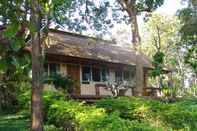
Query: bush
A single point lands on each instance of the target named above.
(113, 122)
(24, 100)
(179, 115)
(71, 115)
(115, 114)
(51, 128)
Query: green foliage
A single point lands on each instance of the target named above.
(148, 5)
(24, 100)
(114, 114)
(74, 115)
(8, 101)
(191, 58)
(176, 116)
(100, 15)
(158, 62)
(188, 31)
(13, 122)
(51, 128)
(60, 81)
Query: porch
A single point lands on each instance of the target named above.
(94, 77)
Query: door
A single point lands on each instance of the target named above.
(74, 72)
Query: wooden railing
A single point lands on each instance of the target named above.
(152, 91)
(103, 89)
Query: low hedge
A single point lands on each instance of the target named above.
(72, 115)
(177, 116)
(116, 114)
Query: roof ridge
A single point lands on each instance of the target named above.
(109, 43)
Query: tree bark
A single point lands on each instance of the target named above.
(36, 101)
(136, 41)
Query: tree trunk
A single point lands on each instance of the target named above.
(134, 28)
(36, 101)
(139, 65)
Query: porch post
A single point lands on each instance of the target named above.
(138, 90)
(145, 81)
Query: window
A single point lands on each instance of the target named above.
(118, 75)
(127, 75)
(86, 74)
(105, 74)
(51, 68)
(54, 68)
(46, 69)
(133, 73)
(96, 74)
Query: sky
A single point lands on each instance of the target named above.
(170, 7)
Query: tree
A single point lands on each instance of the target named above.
(15, 16)
(162, 35)
(134, 8)
(188, 31)
(161, 40)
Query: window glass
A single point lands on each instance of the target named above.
(105, 74)
(51, 68)
(96, 74)
(133, 73)
(46, 69)
(118, 75)
(86, 73)
(54, 68)
(133, 76)
(127, 75)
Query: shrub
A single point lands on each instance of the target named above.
(51, 128)
(179, 115)
(71, 115)
(115, 114)
(24, 100)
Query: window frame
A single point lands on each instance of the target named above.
(57, 66)
(100, 75)
(107, 73)
(121, 78)
(101, 68)
(88, 81)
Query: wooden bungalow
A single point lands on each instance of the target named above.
(94, 63)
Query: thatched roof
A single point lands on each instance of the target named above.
(74, 45)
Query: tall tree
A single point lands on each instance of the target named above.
(14, 15)
(36, 104)
(134, 8)
(188, 31)
(160, 43)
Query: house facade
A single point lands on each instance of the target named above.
(94, 64)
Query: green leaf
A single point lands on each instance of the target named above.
(17, 44)
(14, 62)
(3, 66)
(11, 30)
(31, 27)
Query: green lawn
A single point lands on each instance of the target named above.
(13, 122)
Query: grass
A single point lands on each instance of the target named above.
(13, 122)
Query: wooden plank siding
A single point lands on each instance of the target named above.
(71, 66)
(74, 72)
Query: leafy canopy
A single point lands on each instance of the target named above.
(188, 32)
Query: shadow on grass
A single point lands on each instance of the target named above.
(14, 122)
